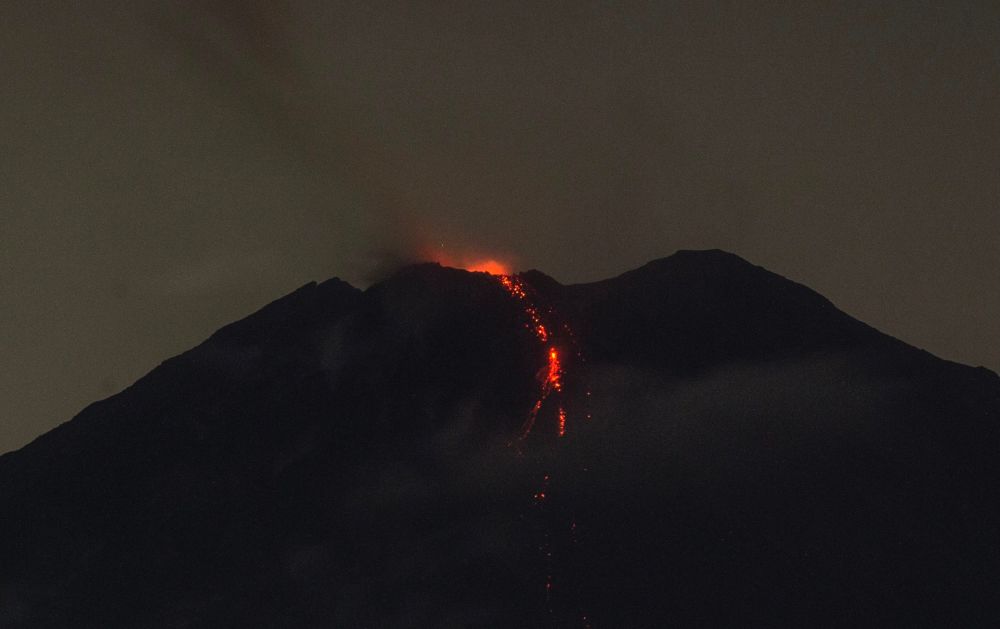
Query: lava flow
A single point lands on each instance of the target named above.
(551, 386)
(552, 377)
(558, 524)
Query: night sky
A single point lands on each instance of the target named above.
(168, 167)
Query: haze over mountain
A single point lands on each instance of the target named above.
(170, 166)
(698, 441)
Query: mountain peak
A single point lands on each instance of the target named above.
(702, 256)
(694, 309)
(713, 264)
(450, 448)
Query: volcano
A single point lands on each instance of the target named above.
(697, 442)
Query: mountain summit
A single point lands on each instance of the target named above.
(695, 442)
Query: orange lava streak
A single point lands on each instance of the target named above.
(529, 423)
(550, 378)
(551, 382)
(554, 379)
(553, 376)
(515, 287)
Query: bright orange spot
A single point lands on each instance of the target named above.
(491, 266)
(562, 422)
(554, 379)
(467, 260)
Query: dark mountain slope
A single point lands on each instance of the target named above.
(738, 451)
(697, 309)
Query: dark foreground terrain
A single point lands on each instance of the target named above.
(737, 452)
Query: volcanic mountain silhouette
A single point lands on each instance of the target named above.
(738, 452)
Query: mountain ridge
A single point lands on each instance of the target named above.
(536, 277)
(708, 440)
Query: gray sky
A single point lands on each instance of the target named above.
(168, 167)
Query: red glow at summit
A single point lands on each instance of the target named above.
(474, 262)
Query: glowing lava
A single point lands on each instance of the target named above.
(466, 260)
(551, 387)
(515, 287)
(490, 266)
(552, 378)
